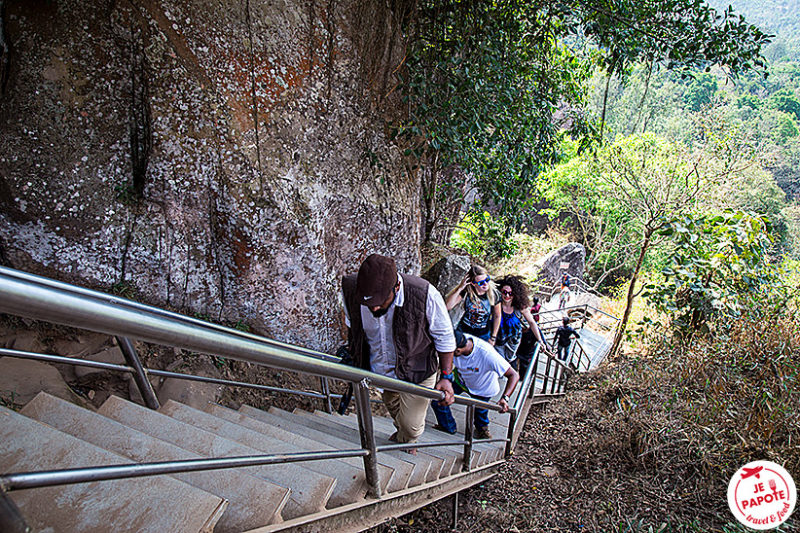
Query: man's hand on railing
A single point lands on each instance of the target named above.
(446, 386)
(503, 403)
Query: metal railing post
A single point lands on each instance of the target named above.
(455, 511)
(546, 374)
(534, 370)
(11, 520)
(139, 375)
(367, 433)
(326, 391)
(512, 422)
(469, 424)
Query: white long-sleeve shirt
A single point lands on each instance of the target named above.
(380, 332)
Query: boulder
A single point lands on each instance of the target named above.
(80, 345)
(22, 379)
(192, 393)
(25, 341)
(136, 396)
(235, 207)
(570, 258)
(448, 272)
(109, 355)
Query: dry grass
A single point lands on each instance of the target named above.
(530, 250)
(647, 443)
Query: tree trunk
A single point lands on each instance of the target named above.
(631, 294)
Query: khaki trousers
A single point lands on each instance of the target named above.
(408, 411)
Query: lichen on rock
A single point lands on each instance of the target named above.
(213, 156)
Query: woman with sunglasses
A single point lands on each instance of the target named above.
(481, 304)
(516, 317)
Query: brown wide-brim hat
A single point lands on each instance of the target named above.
(376, 279)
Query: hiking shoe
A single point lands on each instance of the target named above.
(482, 433)
(441, 428)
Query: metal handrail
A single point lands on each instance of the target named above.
(579, 306)
(60, 306)
(48, 358)
(32, 278)
(50, 478)
(43, 299)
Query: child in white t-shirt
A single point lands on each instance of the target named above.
(477, 368)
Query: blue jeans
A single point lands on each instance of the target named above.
(483, 333)
(444, 417)
(565, 350)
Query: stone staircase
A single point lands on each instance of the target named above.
(51, 433)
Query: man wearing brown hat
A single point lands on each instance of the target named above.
(399, 327)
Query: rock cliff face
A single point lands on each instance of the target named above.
(225, 157)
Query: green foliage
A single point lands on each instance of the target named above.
(123, 289)
(220, 362)
(748, 100)
(125, 194)
(483, 236)
(786, 101)
(700, 92)
(481, 102)
(488, 84)
(719, 266)
(241, 326)
(791, 218)
(620, 194)
(678, 34)
(8, 399)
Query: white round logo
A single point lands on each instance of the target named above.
(762, 495)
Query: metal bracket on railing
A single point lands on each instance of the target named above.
(11, 520)
(139, 374)
(367, 434)
(326, 391)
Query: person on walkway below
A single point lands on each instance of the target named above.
(516, 317)
(399, 327)
(535, 308)
(563, 335)
(563, 298)
(481, 304)
(478, 367)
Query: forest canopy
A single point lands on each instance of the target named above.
(490, 87)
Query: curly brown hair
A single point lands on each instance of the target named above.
(519, 289)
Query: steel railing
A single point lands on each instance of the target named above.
(40, 298)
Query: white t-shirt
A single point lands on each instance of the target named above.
(481, 369)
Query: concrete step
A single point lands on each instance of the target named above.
(425, 466)
(148, 504)
(441, 462)
(488, 452)
(406, 472)
(253, 502)
(434, 464)
(451, 456)
(498, 427)
(351, 484)
(309, 490)
(397, 472)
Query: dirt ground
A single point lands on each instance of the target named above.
(579, 467)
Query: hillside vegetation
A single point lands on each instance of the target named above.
(687, 203)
